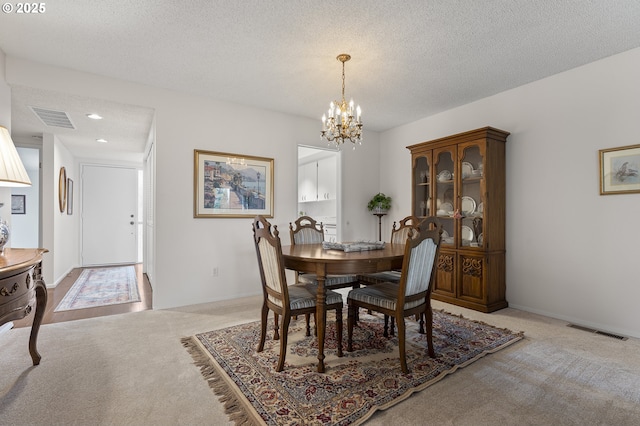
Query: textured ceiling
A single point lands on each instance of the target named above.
(410, 59)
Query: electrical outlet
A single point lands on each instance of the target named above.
(214, 271)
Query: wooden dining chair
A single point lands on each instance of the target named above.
(399, 235)
(284, 300)
(407, 227)
(306, 230)
(410, 296)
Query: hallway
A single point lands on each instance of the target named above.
(56, 294)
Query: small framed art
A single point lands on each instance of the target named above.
(620, 170)
(18, 204)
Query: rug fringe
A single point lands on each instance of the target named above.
(233, 407)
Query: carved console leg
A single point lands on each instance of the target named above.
(41, 304)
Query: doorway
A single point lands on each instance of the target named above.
(110, 212)
(319, 188)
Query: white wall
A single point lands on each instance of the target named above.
(571, 253)
(5, 121)
(24, 227)
(60, 230)
(187, 248)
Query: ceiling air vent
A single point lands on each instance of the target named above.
(53, 118)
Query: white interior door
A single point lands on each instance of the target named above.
(109, 209)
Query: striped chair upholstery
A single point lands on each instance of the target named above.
(418, 278)
(308, 235)
(410, 296)
(308, 231)
(300, 296)
(399, 235)
(284, 300)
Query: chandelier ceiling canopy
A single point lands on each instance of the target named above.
(339, 124)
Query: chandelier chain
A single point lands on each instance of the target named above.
(343, 83)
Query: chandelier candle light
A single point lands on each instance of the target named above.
(340, 125)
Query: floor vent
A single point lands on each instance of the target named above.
(53, 118)
(604, 333)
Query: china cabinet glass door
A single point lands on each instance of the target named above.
(422, 186)
(471, 208)
(444, 192)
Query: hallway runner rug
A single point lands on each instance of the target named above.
(101, 287)
(353, 387)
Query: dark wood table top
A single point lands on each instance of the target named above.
(338, 261)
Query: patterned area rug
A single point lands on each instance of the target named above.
(100, 287)
(353, 387)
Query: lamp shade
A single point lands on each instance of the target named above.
(12, 171)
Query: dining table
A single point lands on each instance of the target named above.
(314, 259)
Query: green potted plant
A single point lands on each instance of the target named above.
(380, 203)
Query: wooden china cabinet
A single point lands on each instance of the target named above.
(461, 180)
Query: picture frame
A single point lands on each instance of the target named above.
(18, 204)
(69, 196)
(62, 189)
(620, 170)
(229, 185)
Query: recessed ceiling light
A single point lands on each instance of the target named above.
(101, 140)
(94, 116)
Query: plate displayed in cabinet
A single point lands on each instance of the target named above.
(444, 175)
(468, 205)
(480, 208)
(480, 239)
(447, 207)
(467, 233)
(467, 169)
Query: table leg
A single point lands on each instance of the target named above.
(321, 319)
(41, 304)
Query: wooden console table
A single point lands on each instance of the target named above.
(22, 288)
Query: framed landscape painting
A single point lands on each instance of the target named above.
(232, 185)
(620, 170)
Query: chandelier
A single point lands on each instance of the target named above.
(340, 125)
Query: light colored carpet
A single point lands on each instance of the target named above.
(131, 369)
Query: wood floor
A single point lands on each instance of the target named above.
(56, 294)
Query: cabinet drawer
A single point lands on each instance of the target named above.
(15, 286)
(330, 233)
(16, 293)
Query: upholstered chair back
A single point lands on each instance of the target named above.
(407, 227)
(270, 261)
(306, 231)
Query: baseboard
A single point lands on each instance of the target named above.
(65, 275)
(578, 321)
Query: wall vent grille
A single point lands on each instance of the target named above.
(594, 331)
(53, 118)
